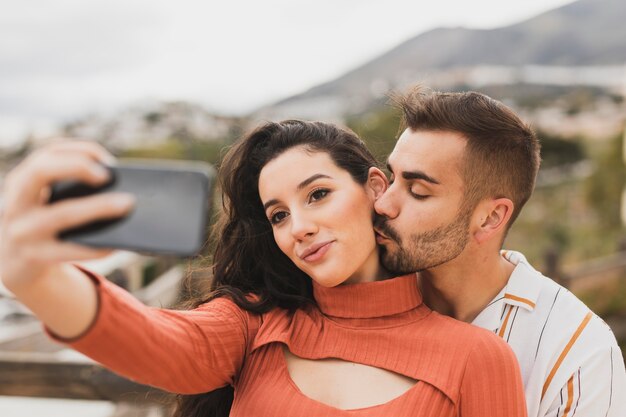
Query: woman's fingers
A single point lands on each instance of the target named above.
(26, 184)
(46, 222)
(79, 211)
(29, 226)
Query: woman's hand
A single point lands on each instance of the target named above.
(31, 255)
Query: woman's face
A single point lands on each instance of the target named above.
(321, 217)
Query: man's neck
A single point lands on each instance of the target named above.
(461, 288)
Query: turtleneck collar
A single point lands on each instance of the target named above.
(369, 299)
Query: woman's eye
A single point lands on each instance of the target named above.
(318, 194)
(278, 217)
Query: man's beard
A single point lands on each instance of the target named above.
(424, 250)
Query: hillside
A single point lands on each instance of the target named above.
(583, 33)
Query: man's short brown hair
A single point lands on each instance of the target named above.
(502, 152)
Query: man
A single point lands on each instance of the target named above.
(460, 174)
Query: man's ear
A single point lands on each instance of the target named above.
(377, 182)
(492, 218)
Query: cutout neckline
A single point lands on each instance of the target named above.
(283, 351)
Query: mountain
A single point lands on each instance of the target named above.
(584, 33)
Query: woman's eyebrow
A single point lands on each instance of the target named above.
(270, 203)
(299, 187)
(310, 180)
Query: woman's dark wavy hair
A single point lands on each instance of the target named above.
(247, 260)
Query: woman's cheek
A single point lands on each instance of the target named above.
(282, 243)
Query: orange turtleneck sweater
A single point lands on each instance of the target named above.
(460, 370)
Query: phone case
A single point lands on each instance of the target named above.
(171, 212)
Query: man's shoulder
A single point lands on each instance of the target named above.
(542, 294)
(559, 314)
(554, 336)
(557, 324)
(569, 313)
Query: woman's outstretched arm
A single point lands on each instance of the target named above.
(184, 352)
(32, 258)
(187, 351)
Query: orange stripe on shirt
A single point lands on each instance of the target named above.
(520, 299)
(570, 396)
(506, 320)
(563, 354)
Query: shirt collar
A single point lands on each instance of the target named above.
(524, 285)
(522, 290)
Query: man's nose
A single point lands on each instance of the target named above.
(386, 205)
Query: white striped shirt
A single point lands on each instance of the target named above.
(570, 361)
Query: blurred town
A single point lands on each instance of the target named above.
(563, 71)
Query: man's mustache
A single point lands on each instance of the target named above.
(382, 227)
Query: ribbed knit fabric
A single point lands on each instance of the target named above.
(460, 370)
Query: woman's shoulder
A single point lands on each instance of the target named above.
(479, 353)
(230, 309)
(227, 309)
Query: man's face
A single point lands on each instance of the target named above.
(421, 223)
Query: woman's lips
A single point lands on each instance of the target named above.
(316, 252)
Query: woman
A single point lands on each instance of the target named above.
(302, 319)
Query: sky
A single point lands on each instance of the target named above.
(63, 59)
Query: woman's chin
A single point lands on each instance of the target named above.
(329, 282)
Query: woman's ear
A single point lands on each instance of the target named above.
(377, 182)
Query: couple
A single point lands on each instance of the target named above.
(312, 313)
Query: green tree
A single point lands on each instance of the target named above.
(378, 129)
(556, 150)
(603, 189)
(207, 151)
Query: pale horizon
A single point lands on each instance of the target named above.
(63, 60)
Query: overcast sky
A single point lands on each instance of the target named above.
(60, 59)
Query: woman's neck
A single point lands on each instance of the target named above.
(371, 270)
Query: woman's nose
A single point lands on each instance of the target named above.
(302, 226)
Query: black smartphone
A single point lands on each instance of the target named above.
(172, 208)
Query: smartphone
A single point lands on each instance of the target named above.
(172, 208)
